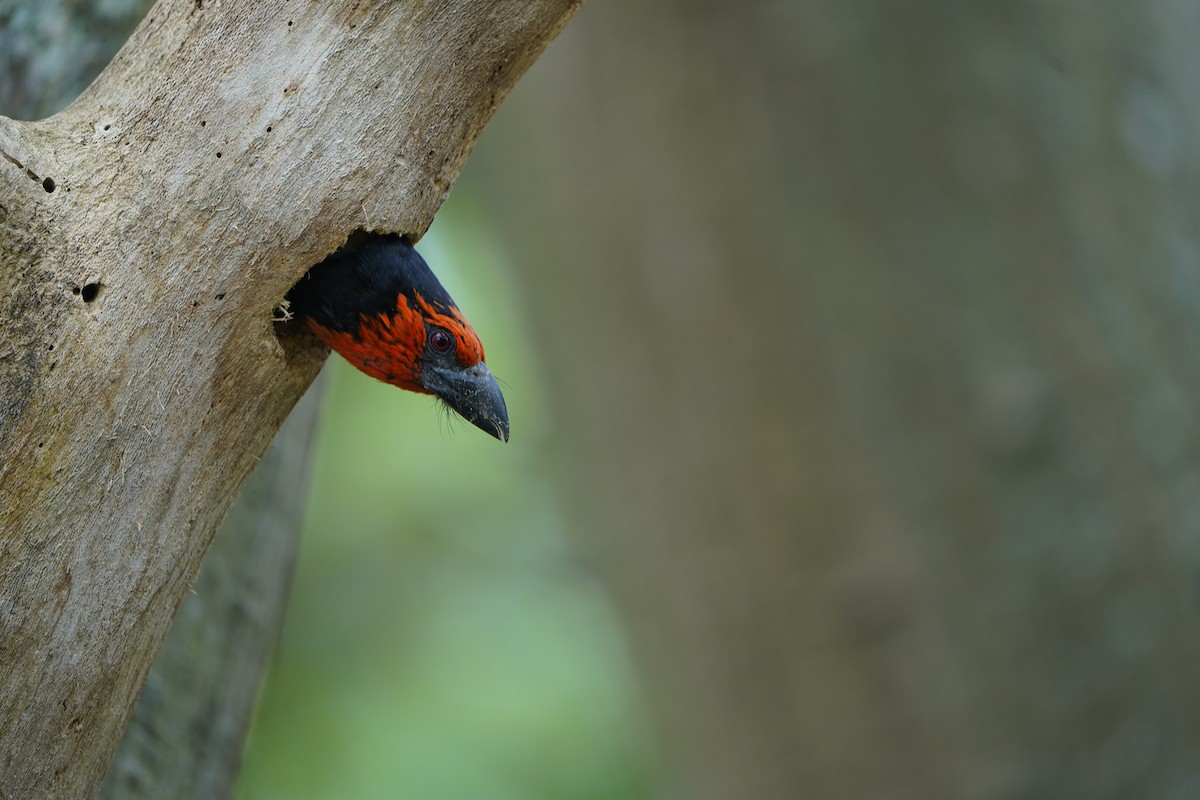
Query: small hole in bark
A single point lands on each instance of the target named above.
(289, 23)
(200, 5)
(106, 127)
(90, 292)
(218, 154)
(51, 347)
(202, 123)
(48, 184)
(75, 290)
(268, 129)
(221, 296)
(41, 445)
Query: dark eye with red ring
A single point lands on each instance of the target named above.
(441, 341)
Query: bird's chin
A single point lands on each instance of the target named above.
(474, 395)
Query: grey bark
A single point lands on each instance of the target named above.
(186, 735)
(877, 372)
(146, 234)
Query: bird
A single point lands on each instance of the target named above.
(376, 302)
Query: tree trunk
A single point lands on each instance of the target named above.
(185, 739)
(186, 735)
(876, 375)
(147, 233)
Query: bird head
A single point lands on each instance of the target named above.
(422, 343)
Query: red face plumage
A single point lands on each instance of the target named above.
(389, 346)
(470, 349)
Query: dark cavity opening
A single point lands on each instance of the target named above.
(89, 292)
(48, 184)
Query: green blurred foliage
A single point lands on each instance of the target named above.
(444, 641)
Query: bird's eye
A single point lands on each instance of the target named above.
(441, 341)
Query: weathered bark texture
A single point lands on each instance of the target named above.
(146, 234)
(878, 361)
(187, 733)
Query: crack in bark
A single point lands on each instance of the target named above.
(13, 160)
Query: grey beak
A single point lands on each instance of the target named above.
(474, 394)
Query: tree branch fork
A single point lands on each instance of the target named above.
(147, 233)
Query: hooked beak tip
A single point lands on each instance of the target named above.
(492, 420)
(499, 429)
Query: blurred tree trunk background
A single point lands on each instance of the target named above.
(50, 50)
(872, 331)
